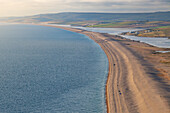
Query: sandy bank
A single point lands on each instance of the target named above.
(133, 85)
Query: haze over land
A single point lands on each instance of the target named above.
(91, 17)
(33, 7)
(86, 12)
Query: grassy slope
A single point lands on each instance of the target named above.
(162, 31)
(163, 27)
(114, 24)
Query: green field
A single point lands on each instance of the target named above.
(114, 24)
(163, 26)
(162, 31)
(133, 24)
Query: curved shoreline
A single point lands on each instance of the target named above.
(128, 83)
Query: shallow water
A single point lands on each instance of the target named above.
(158, 42)
(50, 70)
(113, 31)
(163, 51)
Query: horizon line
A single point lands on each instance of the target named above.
(88, 12)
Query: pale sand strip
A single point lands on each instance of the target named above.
(128, 88)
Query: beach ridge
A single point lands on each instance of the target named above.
(128, 83)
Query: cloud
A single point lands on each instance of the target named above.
(31, 7)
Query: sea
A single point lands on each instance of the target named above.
(50, 70)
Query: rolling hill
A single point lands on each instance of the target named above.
(80, 17)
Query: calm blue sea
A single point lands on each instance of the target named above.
(50, 70)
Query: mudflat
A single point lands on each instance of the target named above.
(137, 82)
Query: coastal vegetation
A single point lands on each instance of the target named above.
(162, 31)
(158, 22)
(134, 68)
(134, 24)
(151, 28)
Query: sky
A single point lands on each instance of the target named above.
(33, 7)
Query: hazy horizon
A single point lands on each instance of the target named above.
(11, 8)
(77, 12)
